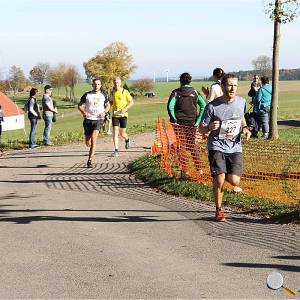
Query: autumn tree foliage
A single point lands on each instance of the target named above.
(112, 61)
(64, 76)
(143, 85)
(39, 73)
(4, 86)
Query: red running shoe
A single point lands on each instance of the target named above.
(220, 216)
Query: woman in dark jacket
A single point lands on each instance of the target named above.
(33, 116)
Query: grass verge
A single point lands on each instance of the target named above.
(147, 168)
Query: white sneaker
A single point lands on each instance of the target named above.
(116, 153)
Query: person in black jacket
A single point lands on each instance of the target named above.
(184, 113)
(33, 116)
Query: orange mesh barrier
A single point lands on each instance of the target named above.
(271, 168)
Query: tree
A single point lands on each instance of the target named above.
(112, 61)
(39, 73)
(280, 11)
(56, 77)
(262, 65)
(4, 86)
(71, 78)
(143, 85)
(17, 79)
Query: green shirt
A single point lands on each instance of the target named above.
(200, 101)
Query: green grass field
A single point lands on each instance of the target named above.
(143, 114)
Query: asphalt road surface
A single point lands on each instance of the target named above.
(72, 232)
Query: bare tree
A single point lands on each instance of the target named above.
(56, 77)
(39, 73)
(71, 78)
(280, 11)
(17, 79)
(262, 65)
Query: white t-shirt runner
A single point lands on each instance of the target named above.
(94, 105)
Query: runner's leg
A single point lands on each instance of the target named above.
(93, 144)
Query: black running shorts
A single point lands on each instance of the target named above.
(227, 163)
(120, 122)
(90, 125)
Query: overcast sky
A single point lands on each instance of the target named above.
(194, 36)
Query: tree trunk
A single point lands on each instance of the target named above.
(67, 95)
(275, 74)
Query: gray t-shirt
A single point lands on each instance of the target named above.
(45, 102)
(227, 138)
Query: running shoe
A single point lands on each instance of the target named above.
(220, 216)
(89, 163)
(116, 153)
(127, 145)
(237, 189)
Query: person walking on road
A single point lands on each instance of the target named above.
(93, 106)
(121, 101)
(33, 115)
(48, 111)
(224, 119)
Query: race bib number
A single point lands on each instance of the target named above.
(230, 129)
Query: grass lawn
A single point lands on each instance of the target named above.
(143, 114)
(147, 168)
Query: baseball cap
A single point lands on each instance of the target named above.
(47, 87)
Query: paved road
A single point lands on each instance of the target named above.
(72, 232)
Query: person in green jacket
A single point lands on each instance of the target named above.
(185, 109)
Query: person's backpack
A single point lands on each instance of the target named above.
(26, 106)
(251, 92)
(182, 96)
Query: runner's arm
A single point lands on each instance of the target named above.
(81, 105)
(130, 103)
(202, 104)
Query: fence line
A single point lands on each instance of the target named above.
(271, 168)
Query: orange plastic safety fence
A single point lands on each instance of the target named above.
(271, 168)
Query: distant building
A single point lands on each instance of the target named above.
(13, 116)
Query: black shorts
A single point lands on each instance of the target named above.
(120, 122)
(90, 125)
(227, 163)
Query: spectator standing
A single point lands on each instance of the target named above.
(262, 104)
(215, 90)
(183, 111)
(33, 116)
(254, 87)
(1, 120)
(48, 111)
(224, 119)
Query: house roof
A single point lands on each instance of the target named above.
(9, 107)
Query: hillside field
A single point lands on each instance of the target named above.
(145, 111)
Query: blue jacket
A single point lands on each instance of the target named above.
(262, 100)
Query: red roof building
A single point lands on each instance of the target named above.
(9, 107)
